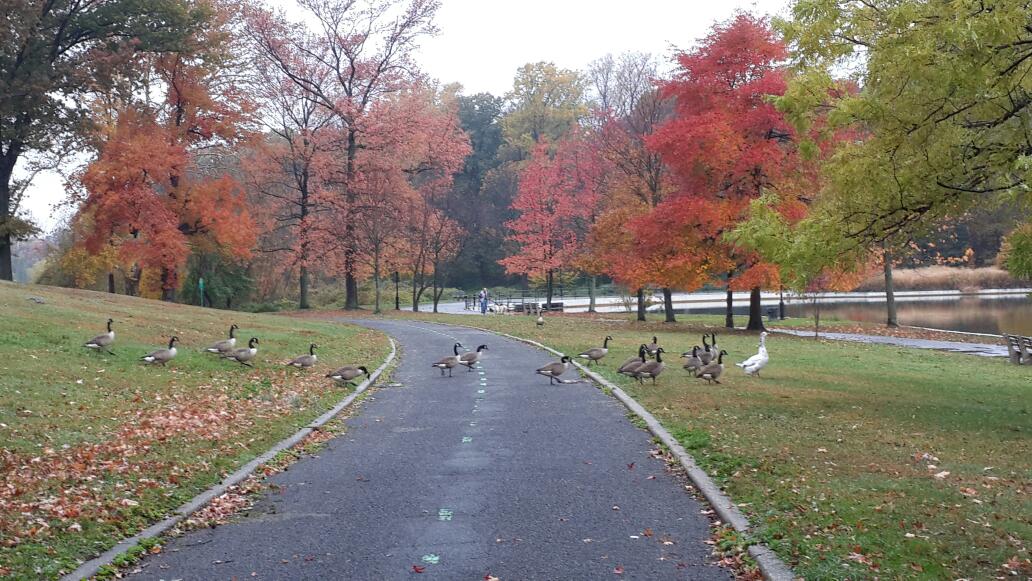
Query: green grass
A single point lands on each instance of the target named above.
(95, 447)
(821, 451)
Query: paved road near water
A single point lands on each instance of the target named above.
(492, 472)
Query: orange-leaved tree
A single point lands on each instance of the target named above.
(727, 143)
(160, 187)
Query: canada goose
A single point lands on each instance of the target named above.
(305, 361)
(540, 320)
(348, 373)
(244, 355)
(162, 356)
(225, 345)
(653, 346)
(713, 343)
(707, 354)
(692, 362)
(651, 368)
(711, 371)
(104, 340)
(553, 370)
(595, 354)
(628, 367)
(754, 364)
(449, 362)
(470, 359)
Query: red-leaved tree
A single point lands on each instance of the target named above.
(726, 144)
(159, 188)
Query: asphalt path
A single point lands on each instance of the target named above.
(492, 472)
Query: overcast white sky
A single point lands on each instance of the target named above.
(482, 43)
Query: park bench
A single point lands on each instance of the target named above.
(1019, 349)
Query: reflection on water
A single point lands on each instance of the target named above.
(1012, 314)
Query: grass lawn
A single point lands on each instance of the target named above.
(94, 447)
(854, 461)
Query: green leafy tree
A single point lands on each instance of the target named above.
(944, 101)
(546, 102)
(55, 53)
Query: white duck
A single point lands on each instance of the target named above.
(754, 364)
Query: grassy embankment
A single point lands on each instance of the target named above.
(94, 447)
(855, 461)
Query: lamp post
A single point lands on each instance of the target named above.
(781, 303)
(397, 296)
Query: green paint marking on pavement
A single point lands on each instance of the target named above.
(480, 372)
(431, 559)
(472, 424)
(480, 391)
(466, 439)
(444, 514)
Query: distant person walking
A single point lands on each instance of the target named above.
(483, 301)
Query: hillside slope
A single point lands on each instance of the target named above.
(94, 447)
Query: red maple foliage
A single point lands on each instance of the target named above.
(725, 144)
(149, 194)
(558, 201)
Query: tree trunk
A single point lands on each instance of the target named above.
(302, 301)
(168, 290)
(350, 283)
(435, 296)
(641, 304)
(816, 317)
(890, 291)
(729, 314)
(548, 291)
(755, 311)
(376, 286)
(591, 283)
(668, 306)
(132, 281)
(111, 282)
(6, 171)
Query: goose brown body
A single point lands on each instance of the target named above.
(104, 340)
(595, 354)
(449, 362)
(553, 370)
(305, 361)
(225, 345)
(628, 367)
(651, 369)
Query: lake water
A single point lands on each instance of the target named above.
(1005, 314)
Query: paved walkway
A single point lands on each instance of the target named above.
(982, 349)
(488, 472)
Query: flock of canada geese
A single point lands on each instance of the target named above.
(227, 349)
(705, 362)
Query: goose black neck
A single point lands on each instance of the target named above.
(455, 348)
(659, 356)
(232, 332)
(109, 325)
(311, 349)
(605, 343)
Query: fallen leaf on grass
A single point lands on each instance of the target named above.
(418, 569)
(646, 533)
(942, 475)
(968, 491)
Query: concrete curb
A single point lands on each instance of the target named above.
(771, 566)
(90, 568)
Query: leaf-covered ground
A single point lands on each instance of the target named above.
(94, 447)
(856, 462)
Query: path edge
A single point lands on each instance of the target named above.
(92, 567)
(770, 565)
